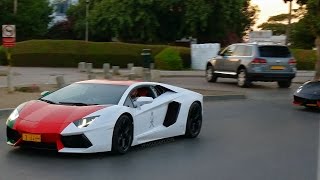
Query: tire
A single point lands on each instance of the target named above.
(194, 121)
(210, 75)
(284, 84)
(122, 135)
(242, 80)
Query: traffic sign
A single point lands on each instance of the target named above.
(8, 42)
(8, 35)
(8, 31)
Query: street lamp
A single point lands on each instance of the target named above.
(289, 21)
(87, 20)
(15, 7)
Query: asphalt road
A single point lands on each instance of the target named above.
(261, 138)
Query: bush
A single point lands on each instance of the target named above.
(3, 57)
(185, 56)
(68, 53)
(306, 59)
(169, 59)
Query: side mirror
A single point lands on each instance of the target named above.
(140, 101)
(220, 52)
(45, 93)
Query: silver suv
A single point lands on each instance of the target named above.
(253, 62)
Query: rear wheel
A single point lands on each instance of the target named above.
(122, 135)
(194, 121)
(242, 79)
(210, 75)
(284, 84)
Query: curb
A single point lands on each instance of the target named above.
(224, 97)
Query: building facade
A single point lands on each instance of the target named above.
(60, 8)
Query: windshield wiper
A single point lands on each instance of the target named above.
(76, 104)
(47, 101)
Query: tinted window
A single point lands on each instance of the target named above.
(160, 90)
(274, 51)
(239, 50)
(88, 94)
(248, 51)
(229, 51)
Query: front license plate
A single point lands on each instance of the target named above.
(277, 67)
(31, 137)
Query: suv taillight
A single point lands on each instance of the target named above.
(292, 62)
(258, 61)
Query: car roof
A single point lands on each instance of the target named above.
(104, 81)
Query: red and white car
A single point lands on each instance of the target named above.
(101, 115)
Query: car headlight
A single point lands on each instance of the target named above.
(14, 115)
(84, 122)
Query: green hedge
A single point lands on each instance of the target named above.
(306, 59)
(3, 57)
(169, 59)
(67, 53)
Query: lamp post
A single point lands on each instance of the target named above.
(15, 7)
(87, 21)
(289, 21)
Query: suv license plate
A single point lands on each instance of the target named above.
(277, 67)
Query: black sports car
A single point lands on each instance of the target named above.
(308, 95)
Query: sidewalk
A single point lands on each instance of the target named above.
(39, 75)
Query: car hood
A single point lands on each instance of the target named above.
(312, 88)
(41, 117)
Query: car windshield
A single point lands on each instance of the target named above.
(82, 94)
(274, 51)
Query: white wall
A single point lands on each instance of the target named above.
(201, 53)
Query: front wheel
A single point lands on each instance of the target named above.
(242, 79)
(210, 75)
(122, 135)
(194, 121)
(284, 84)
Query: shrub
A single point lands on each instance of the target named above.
(185, 56)
(68, 53)
(3, 57)
(169, 59)
(306, 59)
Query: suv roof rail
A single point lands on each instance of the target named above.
(266, 43)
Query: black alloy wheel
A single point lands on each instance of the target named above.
(194, 121)
(122, 135)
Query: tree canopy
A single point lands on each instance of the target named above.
(165, 21)
(31, 20)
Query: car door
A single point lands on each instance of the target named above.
(148, 118)
(232, 62)
(225, 55)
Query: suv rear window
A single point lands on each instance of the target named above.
(274, 51)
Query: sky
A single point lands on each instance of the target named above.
(270, 8)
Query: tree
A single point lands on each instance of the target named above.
(76, 16)
(302, 37)
(127, 19)
(276, 23)
(166, 21)
(313, 21)
(61, 30)
(31, 20)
